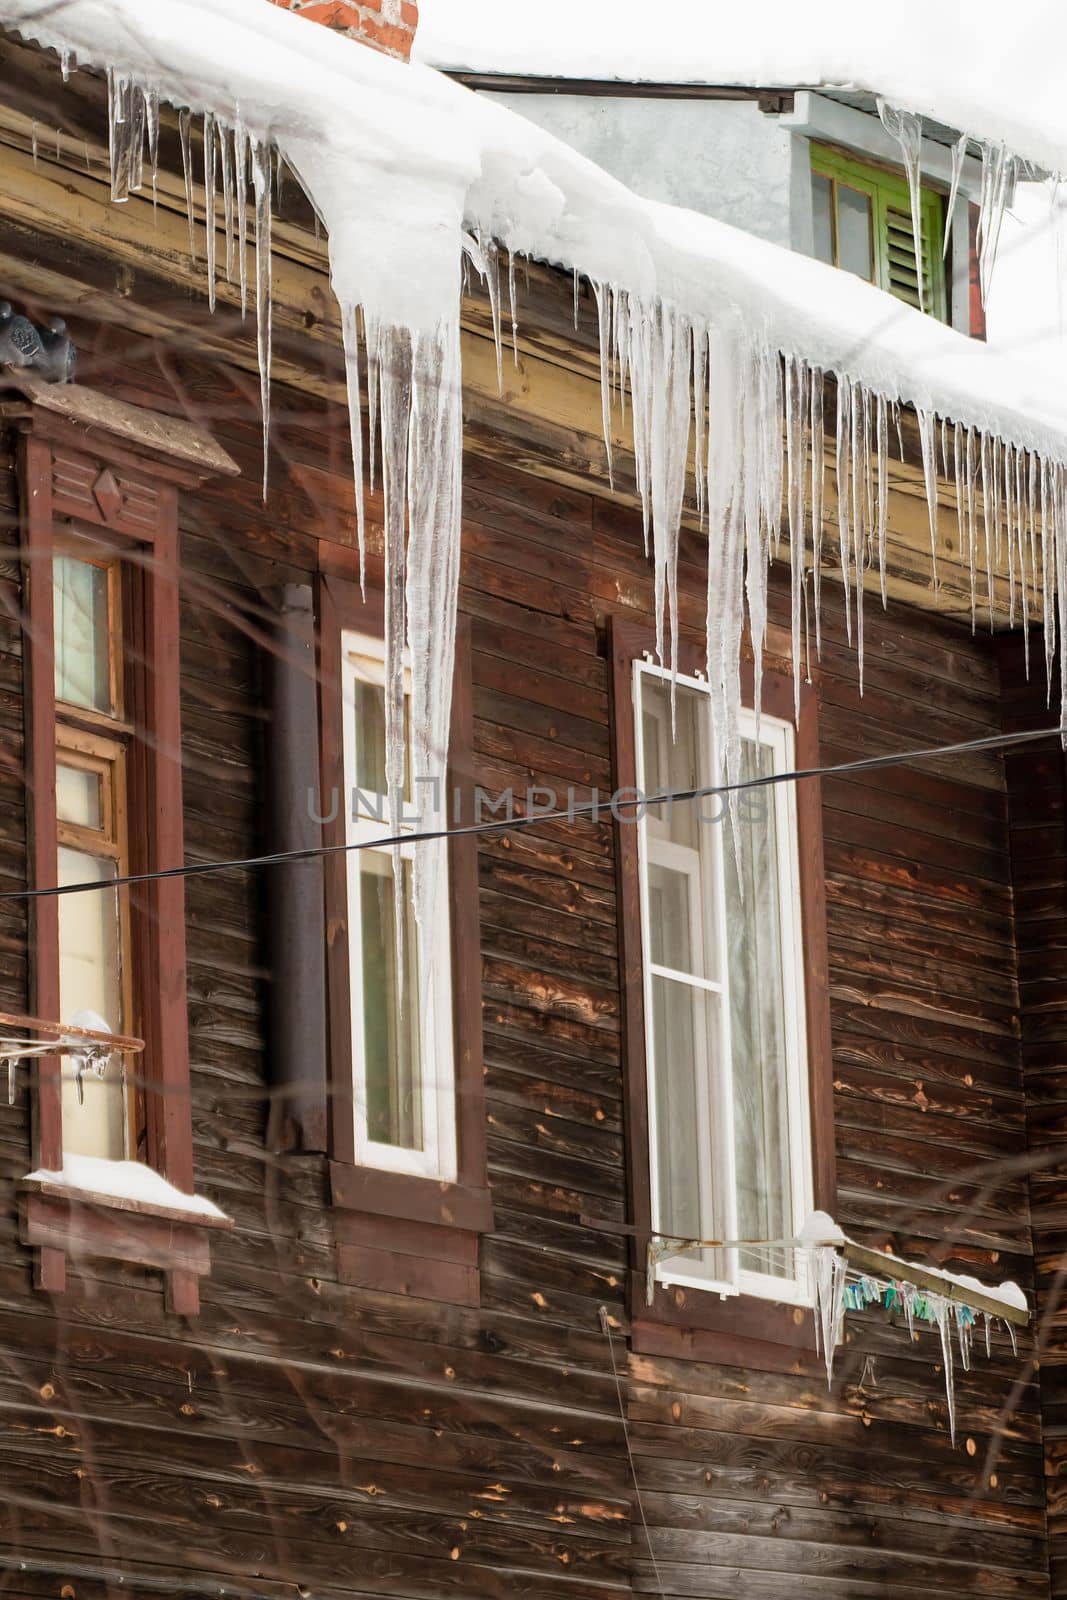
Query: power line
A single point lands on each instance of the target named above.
(587, 808)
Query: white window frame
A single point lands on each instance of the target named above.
(717, 1184)
(438, 1157)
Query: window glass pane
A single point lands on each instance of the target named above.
(822, 196)
(674, 761)
(370, 737)
(684, 1030)
(90, 979)
(854, 232)
(390, 1029)
(78, 797)
(83, 662)
(758, 1021)
(669, 913)
(369, 719)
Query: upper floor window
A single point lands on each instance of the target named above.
(92, 740)
(725, 1040)
(863, 223)
(403, 1105)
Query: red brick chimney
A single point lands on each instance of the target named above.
(386, 25)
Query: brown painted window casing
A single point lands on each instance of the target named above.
(395, 1231)
(742, 1329)
(113, 473)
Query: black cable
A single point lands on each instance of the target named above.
(592, 808)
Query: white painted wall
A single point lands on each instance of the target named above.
(725, 158)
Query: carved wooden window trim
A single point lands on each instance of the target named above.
(398, 1231)
(114, 472)
(741, 1329)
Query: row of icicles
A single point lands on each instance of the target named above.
(838, 1289)
(706, 396)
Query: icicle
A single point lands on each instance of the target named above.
(957, 477)
(64, 64)
(350, 335)
(136, 137)
(511, 300)
(435, 455)
(602, 294)
(576, 282)
(987, 514)
(844, 429)
(209, 212)
(1047, 612)
(795, 402)
(998, 180)
(120, 94)
(395, 379)
(184, 123)
(261, 184)
(927, 422)
(818, 471)
(373, 388)
(240, 168)
(959, 155)
(227, 198)
(1009, 518)
(942, 1316)
(830, 1274)
(907, 129)
(700, 385)
(972, 527)
(729, 379)
(857, 410)
(152, 128)
(670, 374)
(882, 428)
(491, 273)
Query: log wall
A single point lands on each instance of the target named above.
(302, 1437)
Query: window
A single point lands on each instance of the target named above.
(724, 1033)
(406, 1135)
(403, 1107)
(91, 839)
(725, 1011)
(863, 224)
(99, 484)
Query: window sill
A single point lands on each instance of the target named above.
(408, 1235)
(57, 1217)
(741, 1330)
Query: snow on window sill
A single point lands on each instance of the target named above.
(128, 1186)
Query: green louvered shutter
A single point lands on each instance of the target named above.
(894, 252)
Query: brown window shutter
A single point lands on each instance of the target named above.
(297, 1002)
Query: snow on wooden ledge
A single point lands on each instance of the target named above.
(92, 1177)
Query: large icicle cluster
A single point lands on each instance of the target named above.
(413, 384)
(754, 422)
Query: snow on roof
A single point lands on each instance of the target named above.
(972, 69)
(399, 161)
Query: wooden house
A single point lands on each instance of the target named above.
(411, 1353)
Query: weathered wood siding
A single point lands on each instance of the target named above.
(1038, 795)
(305, 1438)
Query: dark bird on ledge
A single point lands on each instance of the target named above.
(58, 356)
(20, 343)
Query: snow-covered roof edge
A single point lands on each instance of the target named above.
(997, 82)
